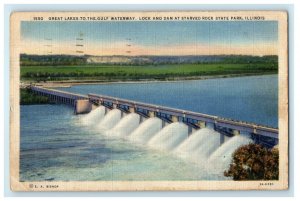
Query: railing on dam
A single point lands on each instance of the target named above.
(57, 95)
(225, 126)
(80, 102)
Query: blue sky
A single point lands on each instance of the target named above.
(154, 34)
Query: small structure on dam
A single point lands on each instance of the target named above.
(264, 135)
(83, 106)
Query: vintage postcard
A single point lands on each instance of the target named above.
(134, 101)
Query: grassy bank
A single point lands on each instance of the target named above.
(29, 98)
(151, 72)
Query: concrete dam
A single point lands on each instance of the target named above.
(198, 137)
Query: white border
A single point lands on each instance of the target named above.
(294, 98)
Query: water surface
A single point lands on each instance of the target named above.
(253, 98)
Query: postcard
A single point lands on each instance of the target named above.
(149, 101)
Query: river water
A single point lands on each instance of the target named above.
(252, 99)
(57, 145)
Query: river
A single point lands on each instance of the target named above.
(57, 145)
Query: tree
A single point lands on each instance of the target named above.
(254, 162)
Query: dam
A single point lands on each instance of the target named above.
(171, 118)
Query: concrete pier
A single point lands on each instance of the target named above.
(152, 114)
(174, 119)
(122, 114)
(106, 110)
(190, 130)
(201, 124)
(163, 123)
(82, 106)
(222, 139)
(236, 132)
(142, 119)
(131, 109)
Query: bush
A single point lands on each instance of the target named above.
(27, 97)
(254, 162)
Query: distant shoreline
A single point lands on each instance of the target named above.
(69, 83)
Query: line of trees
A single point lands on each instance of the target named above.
(72, 60)
(51, 60)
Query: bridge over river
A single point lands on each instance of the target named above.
(261, 134)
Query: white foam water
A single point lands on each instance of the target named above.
(208, 146)
(110, 120)
(221, 158)
(125, 126)
(169, 137)
(146, 130)
(199, 145)
(94, 117)
(195, 140)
